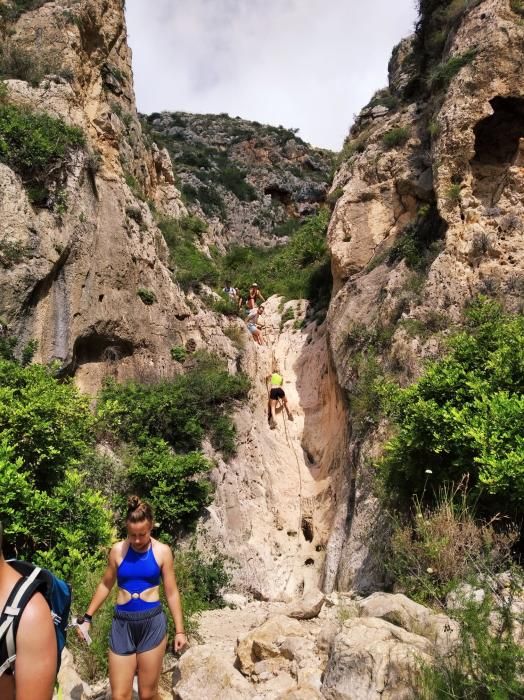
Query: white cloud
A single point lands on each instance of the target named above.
(309, 64)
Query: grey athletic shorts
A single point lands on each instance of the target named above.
(136, 632)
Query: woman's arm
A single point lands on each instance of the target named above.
(102, 590)
(173, 598)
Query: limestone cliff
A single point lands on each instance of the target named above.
(89, 246)
(429, 215)
(253, 183)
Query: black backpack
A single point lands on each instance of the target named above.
(58, 596)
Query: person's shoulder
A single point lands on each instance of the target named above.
(36, 613)
(160, 549)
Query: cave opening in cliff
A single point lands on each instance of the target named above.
(97, 347)
(307, 529)
(279, 194)
(497, 141)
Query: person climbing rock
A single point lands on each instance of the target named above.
(138, 636)
(232, 292)
(32, 677)
(276, 395)
(254, 296)
(252, 321)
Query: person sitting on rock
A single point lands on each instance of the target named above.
(32, 675)
(251, 322)
(276, 394)
(253, 296)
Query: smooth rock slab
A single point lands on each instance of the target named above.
(374, 660)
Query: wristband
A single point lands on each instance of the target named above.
(85, 618)
(179, 633)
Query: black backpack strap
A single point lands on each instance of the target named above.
(21, 594)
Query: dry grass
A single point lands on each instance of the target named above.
(445, 544)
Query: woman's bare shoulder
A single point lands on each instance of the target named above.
(161, 551)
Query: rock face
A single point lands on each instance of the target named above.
(338, 654)
(439, 170)
(75, 288)
(273, 507)
(251, 182)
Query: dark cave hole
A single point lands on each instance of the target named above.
(97, 347)
(307, 530)
(497, 141)
(278, 194)
(309, 562)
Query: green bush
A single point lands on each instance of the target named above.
(146, 295)
(174, 485)
(517, 6)
(298, 270)
(438, 548)
(442, 75)
(12, 10)
(365, 403)
(51, 525)
(192, 266)
(488, 663)
(34, 144)
(395, 137)
(453, 193)
(465, 415)
(178, 353)
(48, 423)
(418, 244)
(200, 582)
(180, 411)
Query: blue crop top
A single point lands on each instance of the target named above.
(137, 572)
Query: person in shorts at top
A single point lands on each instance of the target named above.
(254, 296)
(251, 322)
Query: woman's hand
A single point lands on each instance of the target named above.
(179, 642)
(83, 631)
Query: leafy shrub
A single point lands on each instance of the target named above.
(395, 137)
(180, 411)
(34, 144)
(47, 422)
(442, 75)
(192, 266)
(146, 295)
(298, 270)
(234, 180)
(517, 6)
(72, 531)
(453, 193)
(351, 147)
(17, 62)
(236, 335)
(286, 228)
(365, 402)
(12, 10)
(173, 484)
(488, 663)
(11, 253)
(418, 243)
(178, 353)
(200, 582)
(465, 415)
(91, 661)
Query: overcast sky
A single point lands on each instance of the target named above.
(307, 64)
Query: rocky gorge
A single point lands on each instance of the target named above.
(425, 213)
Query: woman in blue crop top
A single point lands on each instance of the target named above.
(138, 637)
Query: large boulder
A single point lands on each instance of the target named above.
(307, 607)
(413, 617)
(373, 659)
(265, 644)
(204, 673)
